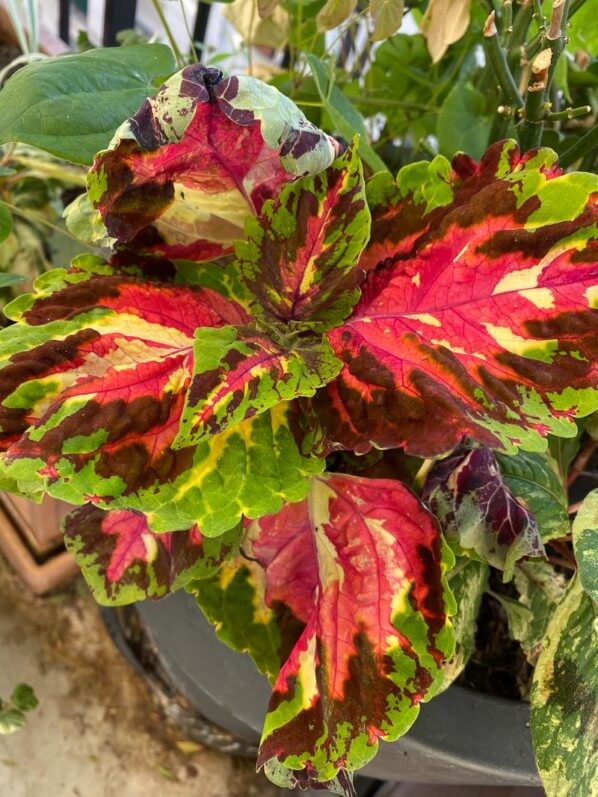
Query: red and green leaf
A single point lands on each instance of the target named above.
(343, 602)
(240, 372)
(478, 511)
(124, 561)
(302, 251)
(182, 174)
(93, 383)
(479, 319)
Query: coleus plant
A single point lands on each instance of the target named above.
(267, 309)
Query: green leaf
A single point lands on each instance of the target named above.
(23, 698)
(6, 280)
(564, 450)
(346, 119)
(71, 105)
(334, 13)
(583, 31)
(540, 590)
(585, 544)
(461, 122)
(534, 480)
(560, 77)
(387, 16)
(5, 222)
(519, 617)
(564, 698)
(591, 425)
(467, 581)
(11, 720)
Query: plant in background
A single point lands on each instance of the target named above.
(33, 189)
(330, 402)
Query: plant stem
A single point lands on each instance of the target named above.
(569, 113)
(497, 58)
(530, 132)
(15, 18)
(66, 174)
(32, 218)
(521, 25)
(581, 147)
(582, 460)
(189, 34)
(539, 14)
(169, 34)
(561, 548)
(556, 38)
(506, 24)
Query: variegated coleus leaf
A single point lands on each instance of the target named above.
(302, 250)
(123, 561)
(181, 175)
(239, 372)
(541, 588)
(478, 314)
(93, 381)
(467, 580)
(479, 513)
(342, 600)
(564, 699)
(585, 544)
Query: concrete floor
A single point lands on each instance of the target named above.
(96, 732)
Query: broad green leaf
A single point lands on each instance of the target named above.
(478, 512)
(534, 480)
(387, 16)
(585, 544)
(340, 595)
(540, 589)
(591, 426)
(5, 223)
(71, 105)
(564, 450)
(564, 699)
(334, 13)
(465, 327)
(300, 259)
(582, 32)
(344, 116)
(182, 174)
(467, 581)
(123, 561)
(7, 280)
(462, 124)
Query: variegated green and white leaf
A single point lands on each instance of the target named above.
(585, 544)
(564, 699)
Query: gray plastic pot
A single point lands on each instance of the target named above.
(460, 737)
